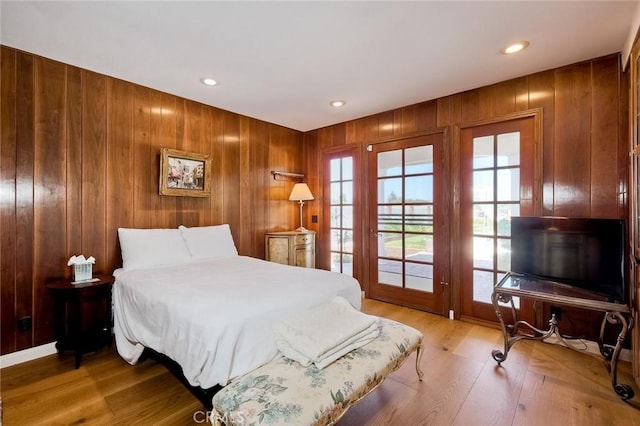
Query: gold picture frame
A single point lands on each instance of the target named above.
(184, 174)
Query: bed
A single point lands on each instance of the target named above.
(187, 294)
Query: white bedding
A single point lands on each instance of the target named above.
(215, 318)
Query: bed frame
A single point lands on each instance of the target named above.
(205, 396)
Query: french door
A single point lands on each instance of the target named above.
(342, 205)
(407, 247)
(498, 168)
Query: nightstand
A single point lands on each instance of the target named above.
(82, 315)
(293, 248)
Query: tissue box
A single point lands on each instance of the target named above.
(82, 272)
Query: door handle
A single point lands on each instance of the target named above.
(373, 233)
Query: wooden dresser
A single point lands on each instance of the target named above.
(291, 248)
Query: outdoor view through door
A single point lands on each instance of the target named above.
(405, 205)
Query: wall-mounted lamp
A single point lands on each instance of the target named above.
(300, 193)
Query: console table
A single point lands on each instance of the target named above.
(525, 287)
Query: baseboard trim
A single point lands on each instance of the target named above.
(25, 355)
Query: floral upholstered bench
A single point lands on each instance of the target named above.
(284, 392)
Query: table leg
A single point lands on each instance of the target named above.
(611, 354)
(510, 331)
(497, 354)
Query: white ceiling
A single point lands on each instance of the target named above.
(283, 62)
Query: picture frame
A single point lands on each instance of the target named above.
(184, 174)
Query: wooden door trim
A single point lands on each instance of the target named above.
(412, 135)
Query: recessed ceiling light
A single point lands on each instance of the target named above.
(337, 104)
(208, 81)
(514, 47)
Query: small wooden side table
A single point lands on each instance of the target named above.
(83, 315)
(295, 248)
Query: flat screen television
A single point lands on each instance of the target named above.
(582, 252)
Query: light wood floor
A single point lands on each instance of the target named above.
(539, 384)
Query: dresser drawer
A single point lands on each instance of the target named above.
(303, 239)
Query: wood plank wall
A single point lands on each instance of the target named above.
(585, 141)
(80, 158)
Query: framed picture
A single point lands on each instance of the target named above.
(184, 174)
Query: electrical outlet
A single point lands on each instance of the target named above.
(557, 312)
(314, 218)
(24, 324)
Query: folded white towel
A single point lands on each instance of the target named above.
(340, 350)
(323, 334)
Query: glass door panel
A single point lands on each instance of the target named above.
(403, 249)
(341, 210)
(495, 178)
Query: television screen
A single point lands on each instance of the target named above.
(583, 252)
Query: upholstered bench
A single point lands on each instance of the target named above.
(284, 392)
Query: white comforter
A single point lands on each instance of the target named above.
(216, 318)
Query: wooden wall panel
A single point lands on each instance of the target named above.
(471, 106)
(153, 172)
(245, 237)
(167, 139)
(230, 167)
(121, 169)
(74, 160)
(215, 126)
(386, 123)
(191, 210)
(426, 116)
(572, 147)
(24, 192)
(8, 219)
(314, 208)
(179, 212)
(144, 182)
(49, 188)
(541, 95)
(605, 113)
(81, 157)
(444, 111)
(258, 184)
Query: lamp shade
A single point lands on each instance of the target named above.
(300, 192)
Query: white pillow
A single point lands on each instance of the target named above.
(206, 242)
(146, 248)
